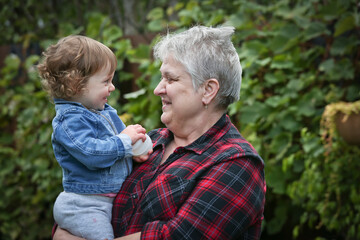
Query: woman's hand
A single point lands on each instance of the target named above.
(61, 234)
(143, 158)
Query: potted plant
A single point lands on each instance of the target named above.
(341, 119)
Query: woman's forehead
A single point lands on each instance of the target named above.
(171, 65)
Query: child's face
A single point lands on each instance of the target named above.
(98, 89)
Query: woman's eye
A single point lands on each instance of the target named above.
(168, 79)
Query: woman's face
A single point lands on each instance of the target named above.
(180, 102)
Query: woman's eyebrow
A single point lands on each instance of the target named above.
(170, 74)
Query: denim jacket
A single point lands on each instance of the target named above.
(94, 156)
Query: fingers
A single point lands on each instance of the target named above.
(140, 132)
(140, 128)
(143, 158)
(135, 132)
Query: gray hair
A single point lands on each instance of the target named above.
(206, 53)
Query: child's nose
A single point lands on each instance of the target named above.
(111, 87)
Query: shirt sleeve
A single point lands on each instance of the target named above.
(226, 203)
(82, 142)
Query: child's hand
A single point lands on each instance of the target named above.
(135, 132)
(143, 158)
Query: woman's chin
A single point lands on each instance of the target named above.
(165, 118)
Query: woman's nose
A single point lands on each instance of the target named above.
(160, 89)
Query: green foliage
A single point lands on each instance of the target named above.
(29, 174)
(297, 57)
(292, 62)
(328, 189)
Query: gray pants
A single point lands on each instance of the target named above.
(86, 216)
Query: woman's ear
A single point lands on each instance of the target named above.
(211, 88)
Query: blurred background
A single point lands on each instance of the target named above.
(299, 106)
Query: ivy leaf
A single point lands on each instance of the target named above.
(252, 113)
(276, 178)
(344, 24)
(343, 69)
(331, 11)
(155, 25)
(96, 23)
(112, 34)
(305, 107)
(290, 123)
(237, 20)
(277, 43)
(274, 77)
(343, 45)
(263, 62)
(316, 29)
(276, 101)
(281, 62)
(31, 61)
(216, 18)
(280, 144)
(327, 65)
(289, 31)
(155, 14)
(135, 94)
(12, 62)
(275, 224)
(295, 85)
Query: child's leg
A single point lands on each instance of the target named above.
(87, 216)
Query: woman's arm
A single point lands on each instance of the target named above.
(61, 234)
(135, 236)
(226, 203)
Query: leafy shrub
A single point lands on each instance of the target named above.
(29, 174)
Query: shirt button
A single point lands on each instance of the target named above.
(134, 195)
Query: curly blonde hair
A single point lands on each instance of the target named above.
(67, 65)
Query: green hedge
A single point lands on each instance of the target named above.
(298, 56)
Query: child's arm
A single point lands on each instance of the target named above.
(77, 135)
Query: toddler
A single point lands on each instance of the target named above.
(90, 142)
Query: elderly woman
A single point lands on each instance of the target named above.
(203, 179)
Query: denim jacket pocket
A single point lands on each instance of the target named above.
(118, 171)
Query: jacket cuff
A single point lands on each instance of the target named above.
(126, 140)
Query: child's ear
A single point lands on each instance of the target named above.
(210, 88)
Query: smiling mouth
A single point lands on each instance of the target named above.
(165, 103)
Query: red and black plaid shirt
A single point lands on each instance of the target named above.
(213, 188)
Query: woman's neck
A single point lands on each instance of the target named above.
(189, 132)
